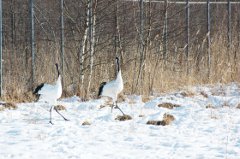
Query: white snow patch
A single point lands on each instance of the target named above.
(197, 132)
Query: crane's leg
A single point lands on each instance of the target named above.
(112, 107)
(119, 108)
(51, 115)
(61, 115)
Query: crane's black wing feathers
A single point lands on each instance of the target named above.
(101, 88)
(38, 88)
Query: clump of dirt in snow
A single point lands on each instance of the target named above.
(121, 97)
(102, 106)
(226, 104)
(86, 123)
(238, 106)
(146, 99)
(210, 106)
(60, 107)
(107, 104)
(123, 117)
(167, 119)
(1, 108)
(168, 105)
(204, 94)
(187, 94)
(156, 122)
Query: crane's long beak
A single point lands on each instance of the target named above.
(57, 69)
(117, 64)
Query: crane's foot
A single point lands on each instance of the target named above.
(51, 122)
(61, 115)
(66, 119)
(117, 107)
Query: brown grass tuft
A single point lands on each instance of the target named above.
(2, 109)
(86, 123)
(238, 106)
(60, 107)
(167, 120)
(121, 97)
(226, 104)
(123, 117)
(168, 105)
(146, 99)
(10, 106)
(156, 122)
(214, 117)
(187, 94)
(108, 103)
(210, 106)
(204, 94)
(19, 98)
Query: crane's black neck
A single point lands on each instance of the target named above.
(57, 69)
(117, 63)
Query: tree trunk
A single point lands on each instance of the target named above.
(92, 23)
(142, 47)
(83, 48)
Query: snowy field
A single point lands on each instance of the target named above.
(206, 125)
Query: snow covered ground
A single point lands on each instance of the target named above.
(206, 125)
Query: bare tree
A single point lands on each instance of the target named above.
(92, 24)
(142, 46)
(83, 45)
(209, 37)
(32, 39)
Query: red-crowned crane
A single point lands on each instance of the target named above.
(112, 88)
(50, 93)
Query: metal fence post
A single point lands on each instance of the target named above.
(1, 69)
(229, 24)
(116, 29)
(209, 37)
(12, 33)
(32, 40)
(165, 31)
(187, 34)
(62, 37)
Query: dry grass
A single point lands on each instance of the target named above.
(158, 75)
(19, 97)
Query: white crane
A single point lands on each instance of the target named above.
(113, 88)
(50, 93)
